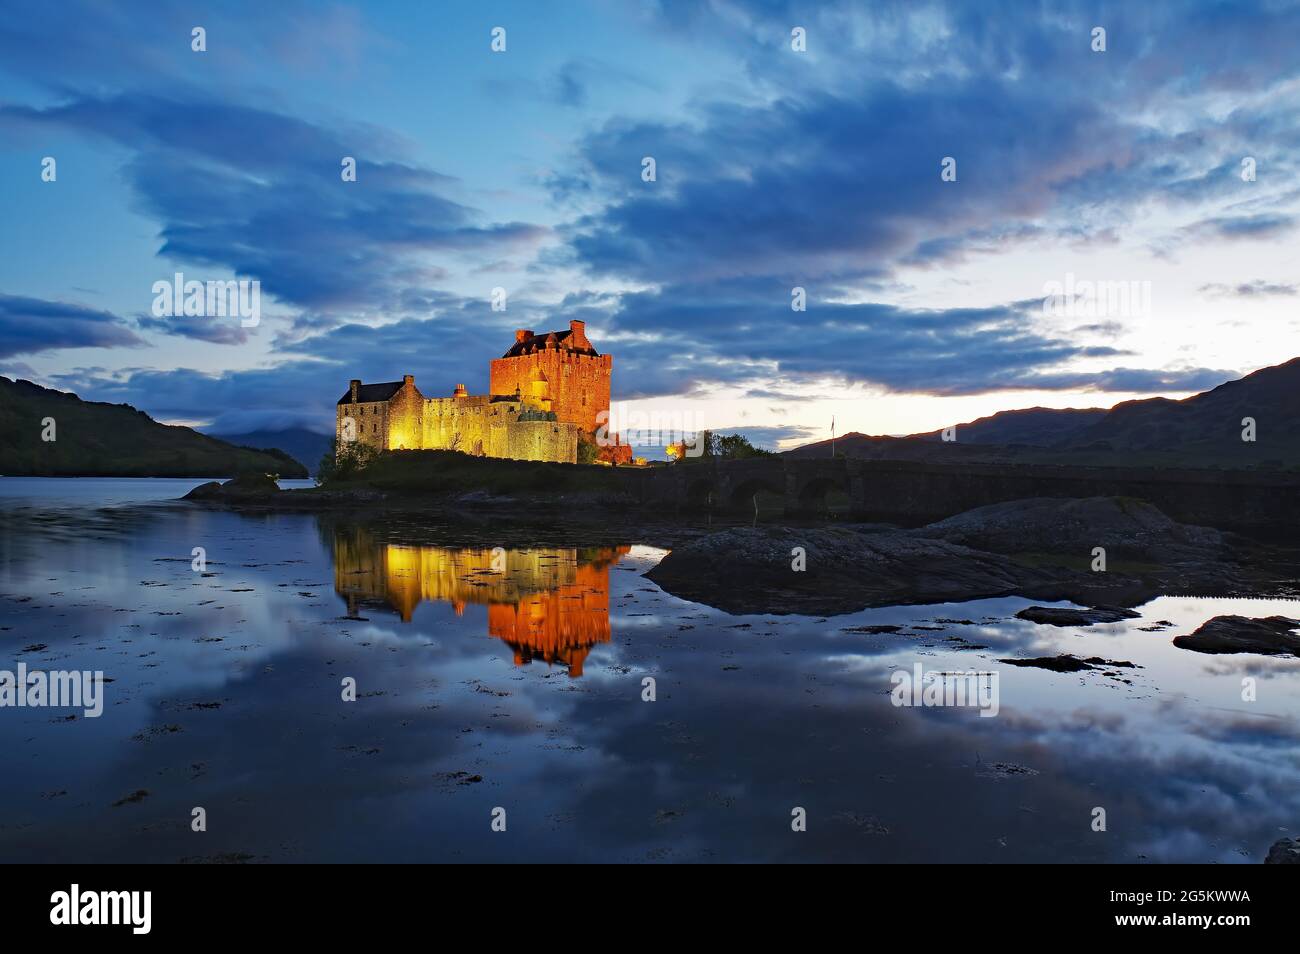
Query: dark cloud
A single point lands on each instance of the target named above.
(687, 338)
(33, 325)
(259, 193)
(830, 185)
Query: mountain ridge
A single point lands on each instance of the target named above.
(97, 439)
(1202, 430)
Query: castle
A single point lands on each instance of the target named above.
(548, 396)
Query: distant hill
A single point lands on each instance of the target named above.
(1204, 430)
(304, 446)
(113, 440)
(1039, 426)
(1208, 426)
(917, 448)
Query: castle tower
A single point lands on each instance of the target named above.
(558, 371)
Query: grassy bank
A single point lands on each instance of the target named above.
(438, 472)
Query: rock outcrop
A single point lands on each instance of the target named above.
(1000, 550)
(1125, 527)
(1066, 616)
(242, 488)
(1269, 635)
(750, 570)
(1285, 851)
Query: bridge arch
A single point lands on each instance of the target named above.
(743, 493)
(702, 492)
(813, 492)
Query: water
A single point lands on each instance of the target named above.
(513, 679)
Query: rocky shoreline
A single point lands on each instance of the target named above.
(1042, 550)
(1106, 554)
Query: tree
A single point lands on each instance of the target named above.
(588, 452)
(343, 461)
(738, 447)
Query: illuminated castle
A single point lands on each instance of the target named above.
(549, 604)
(548, 395)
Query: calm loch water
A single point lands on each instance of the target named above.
(497, 669)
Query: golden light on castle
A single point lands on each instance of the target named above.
(548, 395)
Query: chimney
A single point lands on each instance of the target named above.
(355, 386)
(459, 392)
(578, 334)
(408, 380)
(521, 334)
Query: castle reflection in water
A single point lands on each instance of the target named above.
(550, 603)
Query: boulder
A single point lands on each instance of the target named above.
(1269, 635)
(209, 491)
(1124, 526)
(1285, 851)
(750, 570)
(242, 487)
(1067, 663)
(1066, 616)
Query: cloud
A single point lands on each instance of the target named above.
(33, 326)
(1258, 226)
(823, 173)
(227, 331)
(685, 339)
(1253, 289)
(830, 185)
(260, 194)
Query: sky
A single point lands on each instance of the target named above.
(983, 206)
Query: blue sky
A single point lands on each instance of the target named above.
(776, 168)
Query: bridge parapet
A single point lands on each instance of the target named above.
(911, 493)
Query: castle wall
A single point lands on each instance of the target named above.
(482, 426)
(537, 440)
(406, 418)
(464, 423)
(370, 423)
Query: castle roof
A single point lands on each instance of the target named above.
(369, 393)
(562, 340)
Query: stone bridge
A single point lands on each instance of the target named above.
(911, 494)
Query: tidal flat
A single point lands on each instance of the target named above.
(503, 665)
